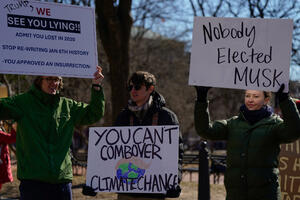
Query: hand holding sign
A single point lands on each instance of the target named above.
(202, 93)
(280, 96)
(98, 76)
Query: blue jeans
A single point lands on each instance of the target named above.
(37, 190)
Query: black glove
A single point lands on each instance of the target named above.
(173, 192)
(280, 96)
(89, 191)
(202, 93)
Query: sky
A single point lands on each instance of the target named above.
(179, 25)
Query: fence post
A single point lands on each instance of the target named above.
(203, 175)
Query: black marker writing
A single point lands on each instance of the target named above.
(150, 183)
(227, 55)
(137, 136)
(150, 151)
(14, 6)
(219, 32)
(259, 77)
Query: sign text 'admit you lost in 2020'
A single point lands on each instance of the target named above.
(39, 38)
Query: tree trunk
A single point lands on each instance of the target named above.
(7, 84)
(114, 25)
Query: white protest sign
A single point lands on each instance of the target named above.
(241, 53)
(133, 159)
(40, 38)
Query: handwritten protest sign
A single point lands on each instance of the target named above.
(138, 159)
(40, 38)
(241, 53)
(289, 167)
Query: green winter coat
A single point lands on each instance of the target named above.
(45, 129)
(252, 150)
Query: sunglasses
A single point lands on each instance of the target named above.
(136, 87)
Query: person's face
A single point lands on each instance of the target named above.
(139, 93)
(50, 84)
(255, 99)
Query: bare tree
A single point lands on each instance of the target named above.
(114, 25)
(255, 9)
(207, 8)
(3, 78)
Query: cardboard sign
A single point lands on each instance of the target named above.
(133, 159)
(289, 167)
(241, 53)
(53, 39)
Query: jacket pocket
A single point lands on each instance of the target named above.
(261, 177)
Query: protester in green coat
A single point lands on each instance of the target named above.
(45, 128)
(253, 142)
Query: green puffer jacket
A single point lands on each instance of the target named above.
(45, 129)
(252, 150)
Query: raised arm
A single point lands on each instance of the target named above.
(10, 109)
(94, 111)
(217, 130)
(289, 129)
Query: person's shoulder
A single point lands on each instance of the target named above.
(236, 117)
(275, 118)
(234, 120)
(166, 110)
(62, 98)
(20, 97)
(166, 115)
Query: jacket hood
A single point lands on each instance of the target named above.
(158, 100)
(44, 97)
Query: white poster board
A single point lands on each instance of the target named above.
(241, 53)
(53, 39)
(133, 159)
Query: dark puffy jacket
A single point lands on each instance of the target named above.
(165, 117)
(252, 150)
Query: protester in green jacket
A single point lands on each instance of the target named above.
(45, 128)
(253, 142)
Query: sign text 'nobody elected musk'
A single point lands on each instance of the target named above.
(241, 53)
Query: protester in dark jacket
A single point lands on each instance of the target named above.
(5, 167)
(46, 123)
(146, 107)
(253, 142)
